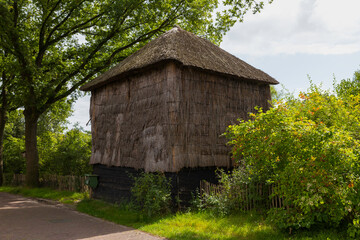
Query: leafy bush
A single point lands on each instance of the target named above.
(14, 161)
(216, 204)
(348, 87)
(234, 193)
(60, 152)
(152, 193)
(240, 191)
(70, 154)
(308, 147)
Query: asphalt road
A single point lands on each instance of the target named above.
(27, 219)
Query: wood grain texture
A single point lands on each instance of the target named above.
(170, 117)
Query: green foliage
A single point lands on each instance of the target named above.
(53, 47)
(70, 155)
(234, 193)
(309, 148)
(216, 204)
(152, 193)
(14, 161)
(274, 93)
(55, 118)
(15, 125)
(61, 153)
(14, 144)
(224, 200)
(56, 46)
(347, 87)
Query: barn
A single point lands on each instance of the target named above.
(164, 108)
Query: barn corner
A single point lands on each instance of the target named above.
(164, 108)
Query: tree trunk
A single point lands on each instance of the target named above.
(3, 119)
(31, 151)
(2, 128)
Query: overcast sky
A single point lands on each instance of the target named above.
(290, 40)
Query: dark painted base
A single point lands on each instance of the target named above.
(115, 182)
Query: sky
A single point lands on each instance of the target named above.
(292, 41)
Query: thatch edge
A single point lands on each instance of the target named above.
(157, 64)
(180, 45)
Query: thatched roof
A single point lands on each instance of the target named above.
(188, 49)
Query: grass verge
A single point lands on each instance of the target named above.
(201, 225)
(65, 197)
(180, 226)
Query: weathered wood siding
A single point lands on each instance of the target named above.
(128, 120)
(206, 105)
(169, 117)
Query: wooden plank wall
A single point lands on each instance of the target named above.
(169, 117)
(208, 104)
(128, 120)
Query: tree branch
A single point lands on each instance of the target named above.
(63, 21)
(73, 30)
(16, 13)
(42, 49)
(143, 37)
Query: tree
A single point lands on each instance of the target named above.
(348, 87)
(71, 154)
(52, 125)
(14, 144)
(60, 44)
(3, 109)
(7, 100)
(310, 148)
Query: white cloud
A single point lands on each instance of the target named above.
(298, 26)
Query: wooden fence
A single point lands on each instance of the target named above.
(250, 197)
(63, 183)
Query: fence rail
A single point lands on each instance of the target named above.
(251, 196)
(63, 183)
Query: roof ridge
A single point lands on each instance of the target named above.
(188, 49)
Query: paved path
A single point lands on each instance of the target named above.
(26, 219)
